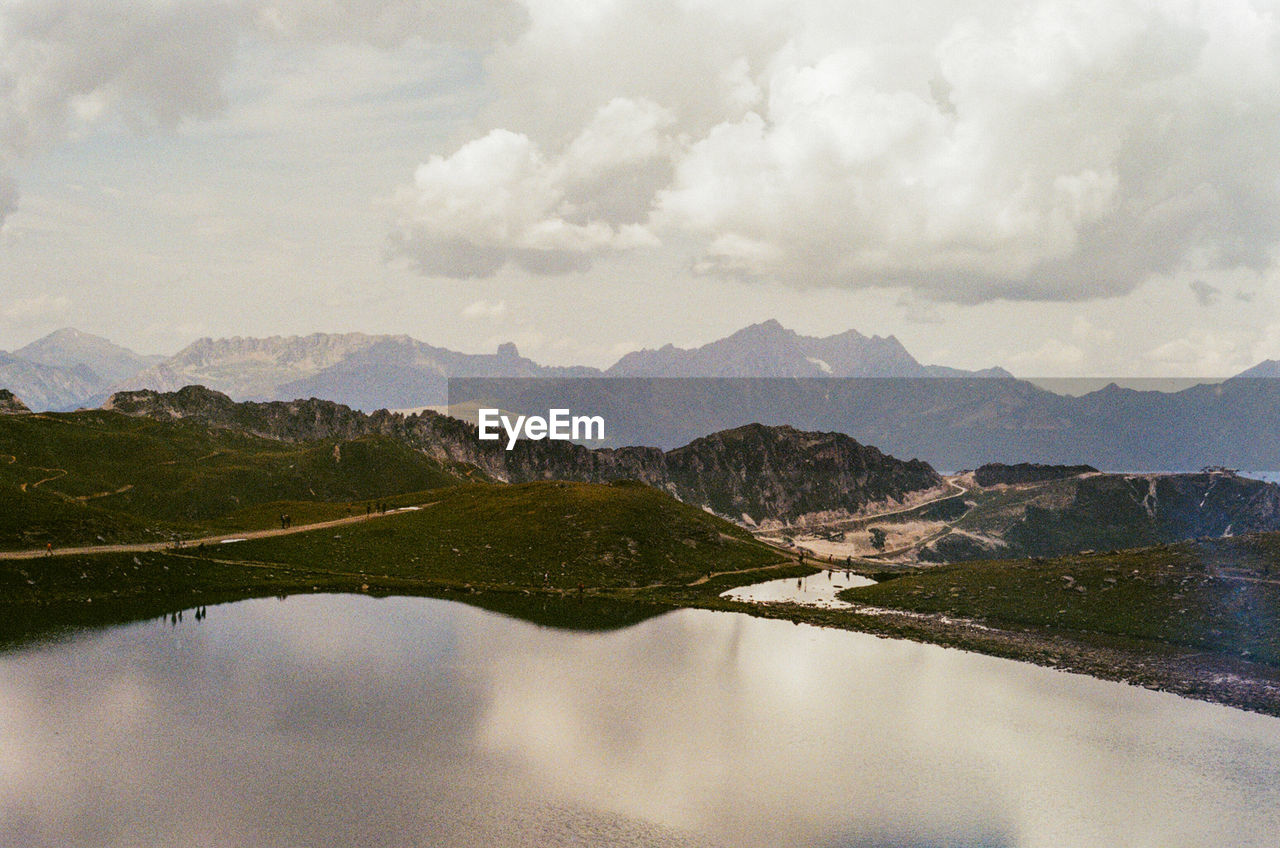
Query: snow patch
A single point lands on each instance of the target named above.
(822, 366)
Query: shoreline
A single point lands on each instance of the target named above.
(1184, 671)
(1163, 667)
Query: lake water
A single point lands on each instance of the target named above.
(353, 721)
(815, 590)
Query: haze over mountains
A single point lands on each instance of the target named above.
(771, 350)
(68, 368)
(867, 387)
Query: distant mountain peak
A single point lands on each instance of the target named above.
(68, 366)
(768, 349)
(1266, 369)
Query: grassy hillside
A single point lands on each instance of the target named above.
(1220, 595)
(552, 534)
(86, 477)
(520, 549)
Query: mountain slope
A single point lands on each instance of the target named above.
(800, 473)
(1084, 510)
(372, 372)
(763, 472)
(71, 349)
(46, 386)
(770, 350)
(75, 477)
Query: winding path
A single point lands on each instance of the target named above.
(62, 472)
(143, 547)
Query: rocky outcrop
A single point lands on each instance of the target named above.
(10, 405)
(764, 472)
(752, 474)
(1115, 511)
(997, 473)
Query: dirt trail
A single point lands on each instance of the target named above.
(883, 556)
(62, 472)
(959, 491)
(95, 495)
(142, 547)
(706, 577)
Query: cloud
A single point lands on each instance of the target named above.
(8, 197)
(1206, 295)
(1064, 150)
(66, 64)
(389, 23)
(1052, 356)
(485, 309)
(1061, 151)
(499, 199)
(1203, 353)
(34, 309)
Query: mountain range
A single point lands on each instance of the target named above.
(398, 372)
(70, 369)
(867, 387)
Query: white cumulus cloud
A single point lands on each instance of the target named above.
(971, 150)
(500, 199)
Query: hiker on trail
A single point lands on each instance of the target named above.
(288, 521)
(282, 520)
(48, 549)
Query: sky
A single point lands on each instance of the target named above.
(1063, 188)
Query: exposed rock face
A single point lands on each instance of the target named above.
(780, 471)
(769, 474)
(10, 405)
(1123, 511)
(1106, 511)
(995, 473)
(250, 367)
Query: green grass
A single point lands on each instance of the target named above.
(522, 550)
(547, 534)
(116, 478)
(1221, 596)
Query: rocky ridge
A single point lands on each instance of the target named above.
(753, 474)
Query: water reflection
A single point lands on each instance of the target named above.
(349, 720)
(815, 590)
